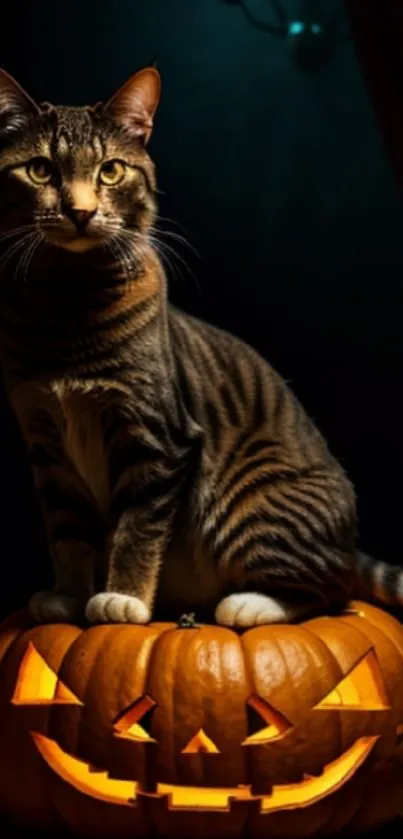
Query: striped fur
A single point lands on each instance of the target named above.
(175, 467)
(379, 581)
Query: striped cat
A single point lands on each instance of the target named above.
(175, 468)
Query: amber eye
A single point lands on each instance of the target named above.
(39, 170)
(112, 172)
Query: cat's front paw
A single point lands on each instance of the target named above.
(246, 609)
(50, 607)
(112, 607)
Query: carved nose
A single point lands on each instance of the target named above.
(80, 217)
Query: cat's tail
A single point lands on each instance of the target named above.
(379, 582)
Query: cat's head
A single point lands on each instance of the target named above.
(80, 177)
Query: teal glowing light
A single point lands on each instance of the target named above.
(298, 27)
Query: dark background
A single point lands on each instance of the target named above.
(280, 181)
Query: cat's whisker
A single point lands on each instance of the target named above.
(170, 253)
(116, 245)
(13, 249)
(171, 221)
(140, 242)
(22, 257)
(28, 242)
(165, 260)
(169, 264)
(26, 259)
(24, 228)
(171, 234)
(133, 244)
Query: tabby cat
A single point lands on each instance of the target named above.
(176, 470)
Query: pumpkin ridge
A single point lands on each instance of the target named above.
(149, 674)
(329, 652)
(71, 652)
(148, 666)
(352, 621)
(14, 625)
(350, 815)
(247, 754)
(383, 644)
(348, 622)
(380, 619)
(185, 640)
(108, 633)
(340, 676)
(166, 630)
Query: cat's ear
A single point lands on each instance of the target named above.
(135, 103)
(16, 107)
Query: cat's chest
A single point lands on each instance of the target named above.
(67, 419)
(79, 417)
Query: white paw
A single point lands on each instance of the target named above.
(49, 607)
(112, 607)
(250, 609)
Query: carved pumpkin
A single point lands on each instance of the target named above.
(287, 731)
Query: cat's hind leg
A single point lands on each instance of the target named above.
(281, 535)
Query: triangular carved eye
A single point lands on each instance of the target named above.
(277, 725)
(361, 690)
(37, 684)
(126, 724)
(200, 743)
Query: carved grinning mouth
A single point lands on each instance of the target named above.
(98, 784)
(360, 690)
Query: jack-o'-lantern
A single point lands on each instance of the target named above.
(184, 730)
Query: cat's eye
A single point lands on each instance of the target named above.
(112, 172)
(39, 170)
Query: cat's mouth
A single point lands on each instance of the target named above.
(78, 238)
(79, 244)
(75, 241)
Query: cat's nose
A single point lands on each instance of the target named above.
(80, 217)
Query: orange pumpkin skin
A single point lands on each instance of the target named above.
(202, 679)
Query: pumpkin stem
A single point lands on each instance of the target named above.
(188, 621)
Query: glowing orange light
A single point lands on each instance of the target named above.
(360, 690)
(37, 684)
(284, 797)
(127, 725)
(200, 743)
(277, 724)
